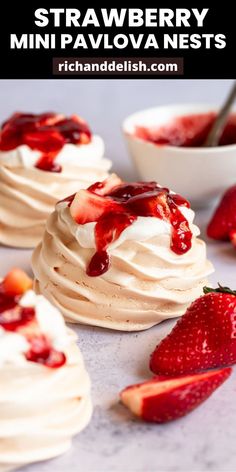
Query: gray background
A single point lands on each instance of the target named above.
(105, 103)
(114, 441)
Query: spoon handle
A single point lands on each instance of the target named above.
(219, 123)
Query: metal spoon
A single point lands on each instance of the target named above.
(220, 122)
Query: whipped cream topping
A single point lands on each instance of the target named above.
(28, 195)
(146, 282)
(75, 155)
(12, 348)
(41, 408)
(145, 227)
(49, 319)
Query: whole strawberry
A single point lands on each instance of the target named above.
(205, 337)
(223, 221)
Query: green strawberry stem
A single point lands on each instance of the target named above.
(220, 289)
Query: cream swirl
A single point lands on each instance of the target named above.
(28, 195)
(146, 282)
(41, 408)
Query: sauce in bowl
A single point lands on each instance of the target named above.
(187, 131)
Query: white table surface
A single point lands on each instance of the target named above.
(114, 441)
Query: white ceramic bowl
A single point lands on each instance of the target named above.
(199, 174)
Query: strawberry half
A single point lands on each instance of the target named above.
(224, 218)
(88, 206)
(163, 399)
(16, 283)
(205, 336)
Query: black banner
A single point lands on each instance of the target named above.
(117, 42)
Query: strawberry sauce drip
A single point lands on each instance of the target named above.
(47, 133)
(19, 319)
(188, 131)
(99, 264)
(42, 352)
(138, 199)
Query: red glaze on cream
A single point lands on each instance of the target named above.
(120, 207)
(47, 133)
(22, 320)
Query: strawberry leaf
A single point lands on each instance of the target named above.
(220, 289)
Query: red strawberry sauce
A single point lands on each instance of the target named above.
(133, 200)
(47, 133)
(16, 318)
(188, 131)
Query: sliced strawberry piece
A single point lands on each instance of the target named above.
(16, 283)
(205, 336)
(148, 204)
(82, 125)
(87, 207)
(163, 399)
(179, 200)
(224, 218)
(50, 119)
(84, 138)
(78, 119)
(105, 187)
(125, 191)
(68, 199)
